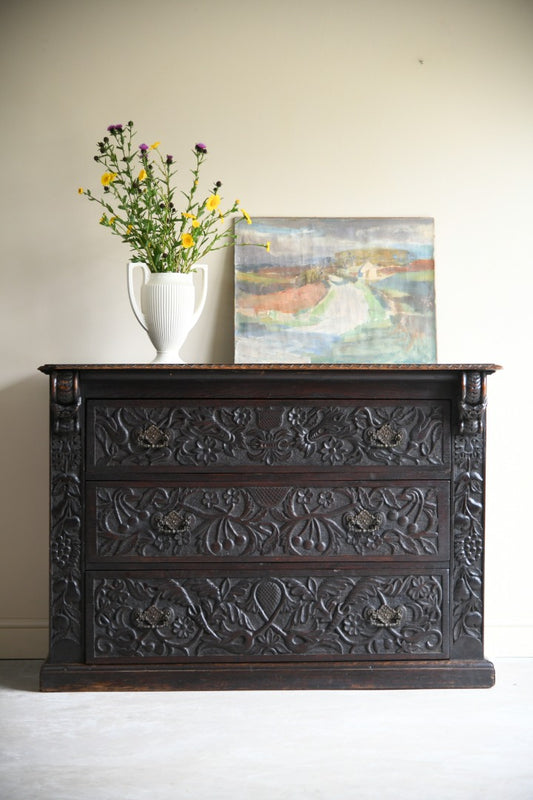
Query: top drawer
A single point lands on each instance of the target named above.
(286, 435)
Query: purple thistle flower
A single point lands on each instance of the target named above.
(200, 147)
(170, 159)
(143, 148)
(115, 128)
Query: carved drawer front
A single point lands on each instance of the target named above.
(192, 436)
(362, 521)
(338, 615)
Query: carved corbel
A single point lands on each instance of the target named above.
(65, 403)
(473, 403)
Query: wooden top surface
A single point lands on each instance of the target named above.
(488, 368)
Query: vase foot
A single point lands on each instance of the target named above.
(168, 358)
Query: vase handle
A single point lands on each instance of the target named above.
(131, 292)
(201, 302)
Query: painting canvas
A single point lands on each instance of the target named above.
(332, 291)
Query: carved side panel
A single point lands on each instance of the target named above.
(467, 579)
(236, 618)
(66, 517)
(269, 436)
(258, 522)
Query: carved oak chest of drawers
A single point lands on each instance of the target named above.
(253, 527)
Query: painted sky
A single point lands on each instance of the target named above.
(295, 240)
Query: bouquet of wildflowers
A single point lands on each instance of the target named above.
(139, 204)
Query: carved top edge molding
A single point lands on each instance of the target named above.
(485, 368)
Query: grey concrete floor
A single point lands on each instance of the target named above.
(385, 745)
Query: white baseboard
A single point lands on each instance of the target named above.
(28, 638)
(509, 641)
(23, 638)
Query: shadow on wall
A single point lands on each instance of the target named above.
(212, 337)
(24, 492)
(21, 676)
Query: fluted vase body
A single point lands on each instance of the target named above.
(168, 309)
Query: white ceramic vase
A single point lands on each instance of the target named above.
(168, 310)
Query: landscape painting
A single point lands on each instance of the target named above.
(335, 291)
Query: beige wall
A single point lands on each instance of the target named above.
(339, 108)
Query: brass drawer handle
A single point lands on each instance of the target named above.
(362, 521)
(152, 437)
(385, 436)
(152, 617)
(173, 523)
(385, 616)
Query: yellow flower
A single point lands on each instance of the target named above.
(246, 216)
(154, 145)
(195, 223)
(112, 220)
(80, 190)
(108, 177)
(267, 247)
(142, 175)
(187, 240)
(103, 219)
(213, 202)
(187, 215)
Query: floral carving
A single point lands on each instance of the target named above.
(266, 617)
(276, 435)
(468, 539)
(66, 514)
(278, 521)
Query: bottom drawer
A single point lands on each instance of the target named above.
(334, 615)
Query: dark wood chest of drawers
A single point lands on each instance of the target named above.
(252, 527)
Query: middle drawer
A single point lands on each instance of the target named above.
(178, 522)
